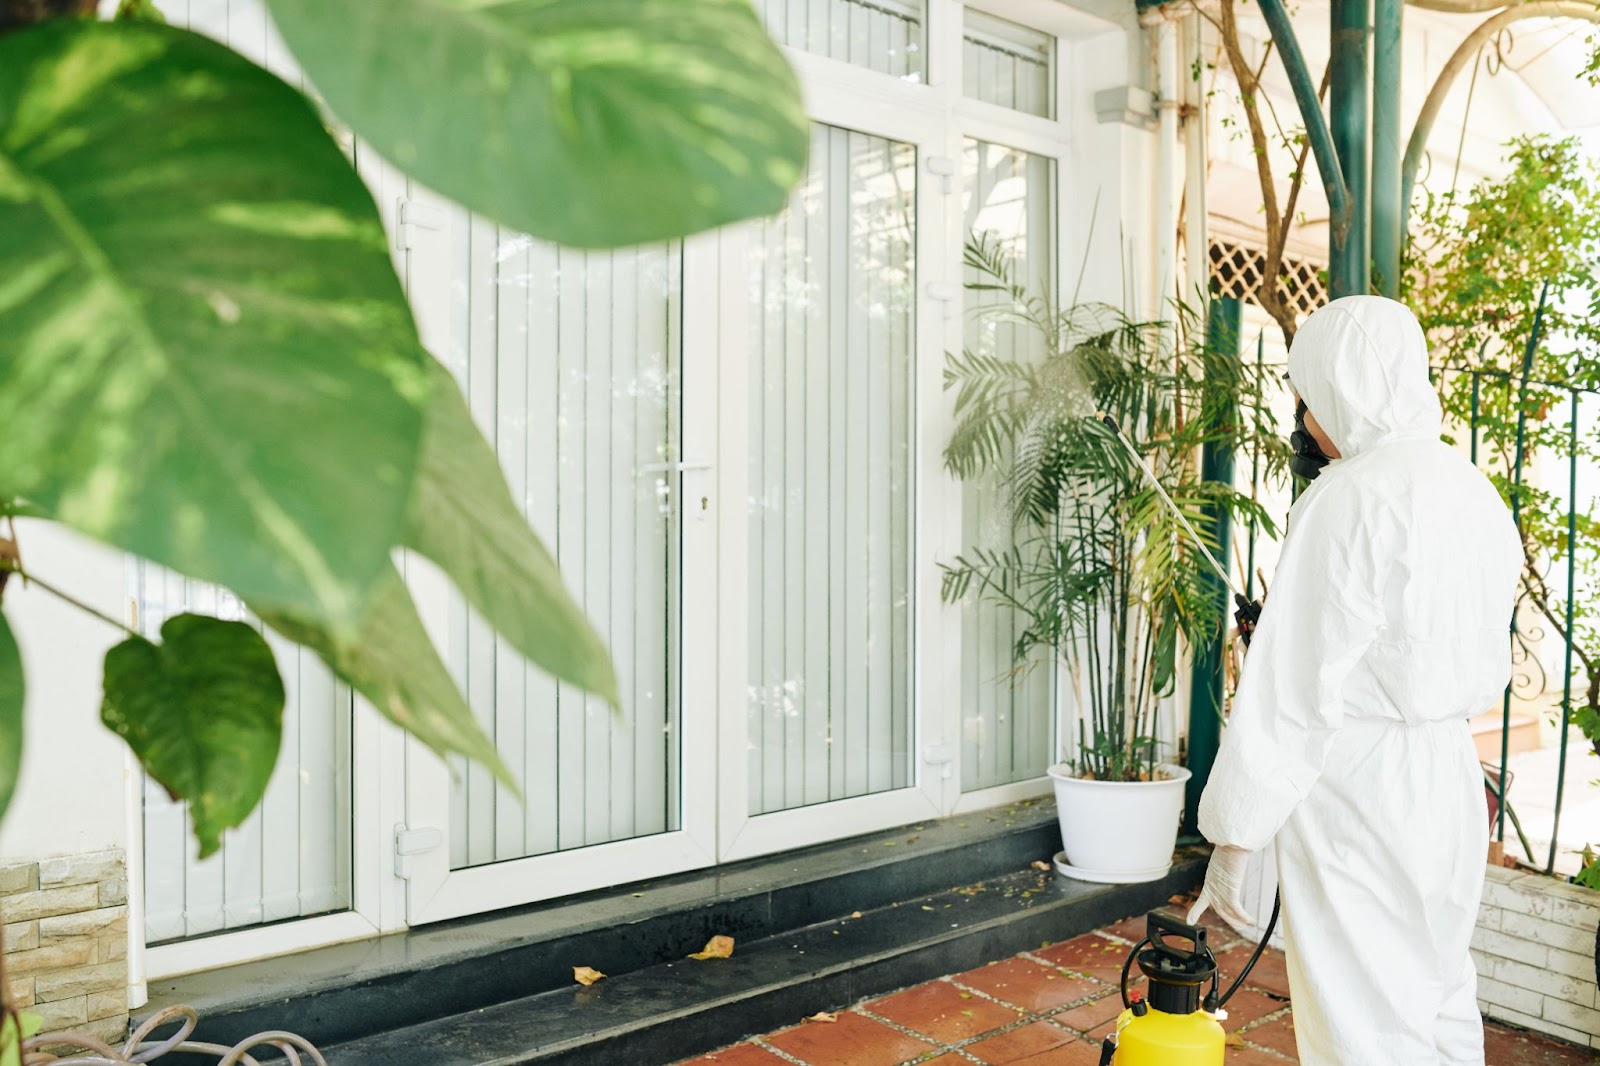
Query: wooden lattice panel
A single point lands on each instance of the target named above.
(1237, 271)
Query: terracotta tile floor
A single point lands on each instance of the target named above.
(1052, 1007)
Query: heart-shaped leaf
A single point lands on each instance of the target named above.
(463, 518)
(205, 356)
(394, 664)
(589, 122)
(203, 711)
(11, 701)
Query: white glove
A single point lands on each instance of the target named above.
(1224, 888)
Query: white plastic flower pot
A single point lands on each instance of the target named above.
(1118, 832)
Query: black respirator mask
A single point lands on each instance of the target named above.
(1309, 458)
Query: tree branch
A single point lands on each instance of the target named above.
(1268, 292)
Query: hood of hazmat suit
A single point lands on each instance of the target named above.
(1348, 747)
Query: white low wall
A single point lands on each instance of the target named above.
(1534, 947)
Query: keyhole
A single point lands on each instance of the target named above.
(704, 502)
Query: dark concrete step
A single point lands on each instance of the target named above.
(681, 1008)
(342, 993)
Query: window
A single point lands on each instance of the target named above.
(883, 35)
(1007, 713)
(1008, 65)
(291, 858)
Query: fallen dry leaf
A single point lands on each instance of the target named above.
(823, 1016)
(855, 914)
(586, 975)
(718, 947)
(1038, 865)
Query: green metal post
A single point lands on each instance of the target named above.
(1224, 319)
(1528, 353)
(1350, 271)
(1387, 212)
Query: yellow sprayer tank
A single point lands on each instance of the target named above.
(1174, 1027)
(1161, 1039)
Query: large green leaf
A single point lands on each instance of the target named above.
(396, 667)
(11, 692)
(590, 122)
(463, 518)
(203, 711)
(205, 355)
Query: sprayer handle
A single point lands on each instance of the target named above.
(1247, 615)
(1159, 925)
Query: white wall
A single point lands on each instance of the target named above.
(1108, 189)
(72, 797)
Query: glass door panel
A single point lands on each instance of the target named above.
(1006, 710)
(291, 858)
(831, 342)
(572, 365)
(570, 361)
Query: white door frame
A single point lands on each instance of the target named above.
(850, 98)
(422, 844)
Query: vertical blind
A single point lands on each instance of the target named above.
(291, 857)
(1009, 65)
(1007, 710)
(570, 361)
(882, 35)
(831, 338)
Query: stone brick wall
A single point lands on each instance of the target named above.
(66, 941)
(1534, 947)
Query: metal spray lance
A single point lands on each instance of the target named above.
(1248, 611)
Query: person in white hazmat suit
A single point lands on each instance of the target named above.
(1348, 746)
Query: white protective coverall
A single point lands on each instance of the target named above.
(1348, 745)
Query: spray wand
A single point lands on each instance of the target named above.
(1248, 611)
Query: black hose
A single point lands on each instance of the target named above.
(1127, 965)
(1272, 925)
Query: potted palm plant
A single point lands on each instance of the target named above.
(1098, 572)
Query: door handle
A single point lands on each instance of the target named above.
(683, 468)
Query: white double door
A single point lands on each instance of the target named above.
(729, 446)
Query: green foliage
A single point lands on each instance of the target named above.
(11, 691)
(590, 122)
(1589, 875)
(206, 357)
(1477, 269)
(1099, 569)
(203, 710)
